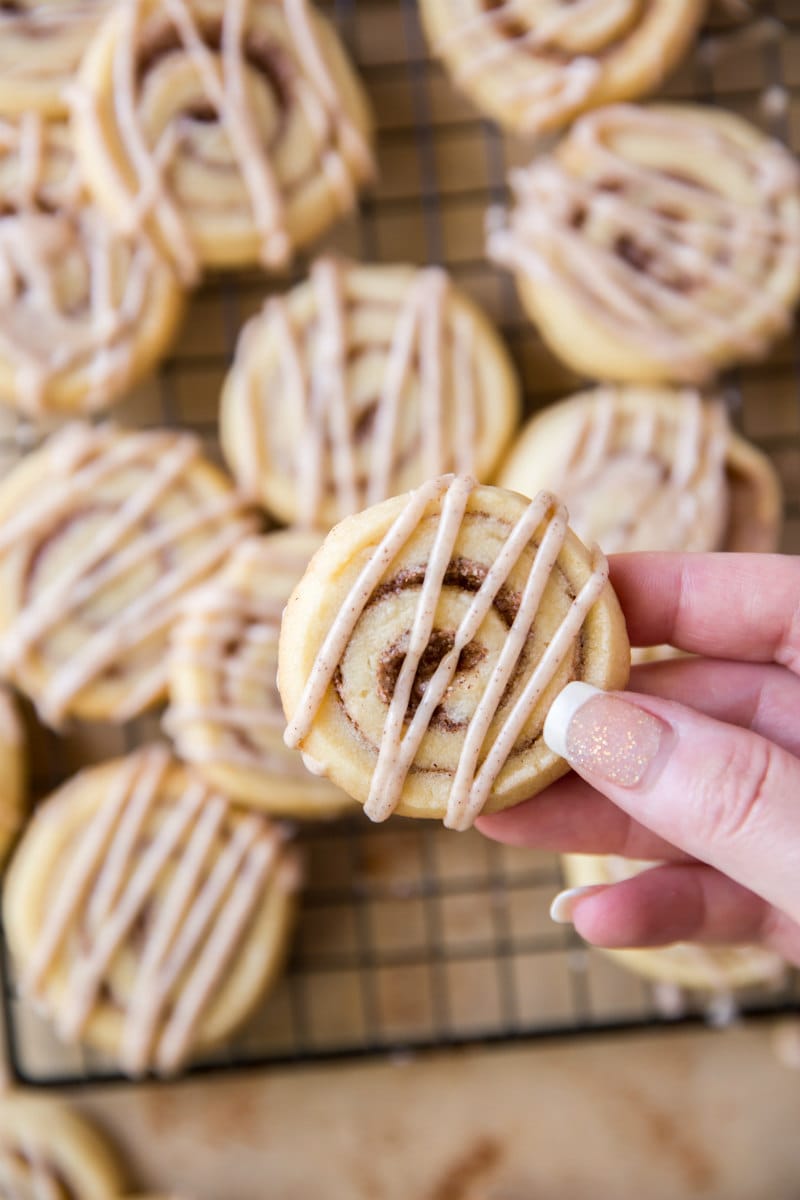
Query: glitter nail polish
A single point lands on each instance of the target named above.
(603, 735)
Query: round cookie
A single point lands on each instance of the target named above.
(84, 312)
(145, 914)
(48, 1151)
(649, 469)
(41, 46)
(13, 772)
(421, 651)
(711, 968)
(657, 243)
(103, 532)
(233, 132)
(533, 67)
(225, 713)
(360, 384)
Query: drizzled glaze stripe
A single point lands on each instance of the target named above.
(472, 784)
(683, 229)
(87, 457)
(224, 86)
(205, 908)
(429, 331)
(34, 245)
(695, 469)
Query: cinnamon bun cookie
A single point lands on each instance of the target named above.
(13, 772)
(658, 243)
(360, 384)
(225, 713)
(421, 651)
(146, 915)
(49, 1152)
(41, 46)
(649, 469)
(84, 311)
(102, 535)
(709, 968)
(232, 131)
(535, 65)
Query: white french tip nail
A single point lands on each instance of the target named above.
(563, 907)
(562, 710)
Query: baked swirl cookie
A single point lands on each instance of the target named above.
(49, 1152)
(41, 46)
(102, 534)
(233, 131)
(13, 772)
(709, 968)
(360, 384)
(225, 713)
(84, 311)
(422, 649)
(656, 244)
(534, 65)
(145, 914)
(649, 469)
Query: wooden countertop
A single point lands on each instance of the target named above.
(680, 1114)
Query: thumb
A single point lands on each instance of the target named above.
(724, 795)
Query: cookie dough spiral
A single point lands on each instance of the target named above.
(49, 1152)
(649, 469)
(41, 46)
(657, 243)
(421, 651)
(717, 969)
(225, 713)
(233, 131)
(102, 535)
(534, 65)
(84, 311)
(360, 384)
(146, 915)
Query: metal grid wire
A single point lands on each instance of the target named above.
(411, 936)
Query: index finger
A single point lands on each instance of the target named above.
(744, 606)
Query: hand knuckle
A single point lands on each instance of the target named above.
(734, 790)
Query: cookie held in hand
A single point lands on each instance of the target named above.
(422, 649)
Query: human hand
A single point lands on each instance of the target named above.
(698, 766)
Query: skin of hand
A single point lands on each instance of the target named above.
(697, 766)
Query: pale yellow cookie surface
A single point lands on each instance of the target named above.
(534, 66)
(502, 606)
(710, 968)
(232, 132)
(146, 915)
(48, 1150)
(85, 312)
(225, 713)
(358, 385)
(13, 772)
(649, 469)
(658, 243)
(102, 534)
(41, 46)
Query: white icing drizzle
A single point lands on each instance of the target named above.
(223, 80)
(692, 240)
(611, 443)
(548, 89)
(428, 331)
(472, 783)
(230, 632)
(43, 333)
(87, 457)
(211, 893)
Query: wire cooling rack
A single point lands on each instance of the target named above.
(411, 936)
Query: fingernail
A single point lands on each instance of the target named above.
(603, 735)
(562, 909)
